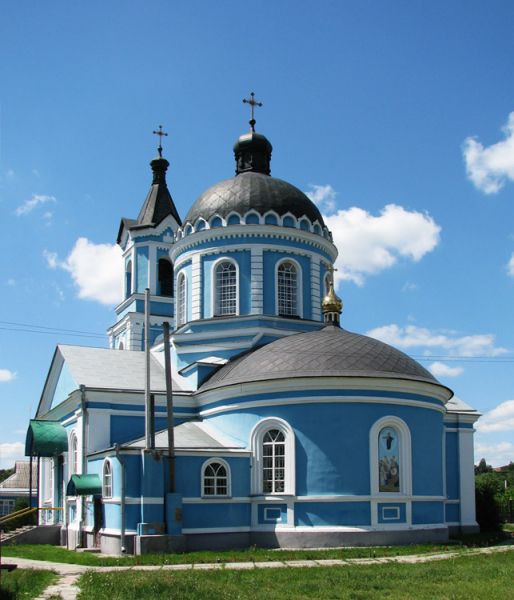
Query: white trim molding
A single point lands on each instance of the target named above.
(214, 287)
(405, 457)
(256, 438)
(224, 463)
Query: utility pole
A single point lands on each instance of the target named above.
(169, 406)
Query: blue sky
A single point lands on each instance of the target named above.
(394, 116)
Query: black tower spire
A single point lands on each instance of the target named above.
(253, 150)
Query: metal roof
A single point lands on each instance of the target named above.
(113, 369)
(84, 485)
(21, 477)
(253, 191)
(191, 435)
(331, 351)
(45, 438)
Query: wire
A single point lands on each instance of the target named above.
(46, 327)
(32, 328)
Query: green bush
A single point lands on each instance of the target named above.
(487, 489)
(20, 521)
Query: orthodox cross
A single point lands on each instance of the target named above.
(253, 103)
(160, 133)
(331, 270)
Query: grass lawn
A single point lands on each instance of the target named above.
(466, 577)
(24, 584)
(58, 554)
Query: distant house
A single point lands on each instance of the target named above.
(17, 486)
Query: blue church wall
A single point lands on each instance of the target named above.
(271, 514)
(65, 385)
(188, 471)
(391, 512)
(452, 465)
(312, 514)
(270, 260)
(216, 515)
(424, 513)
(128, 428)
(239, 240)
(327, 434)
(452, 512)
(141, 269)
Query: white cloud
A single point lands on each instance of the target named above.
(510, 266)
(323, 196)
(369, 244)
(6, 375)
(500, 418)
(96, 269)
(11, 282)
(490, 167)
(440, 369)
(29, 205)
(412, 336)
(408, 286)
(497, 455)
(11, 452)
(52, 259)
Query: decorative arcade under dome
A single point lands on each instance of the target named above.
(288, 430)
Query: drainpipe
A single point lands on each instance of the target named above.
(122, 498)
(83, 455)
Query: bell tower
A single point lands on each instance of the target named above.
(146, 243)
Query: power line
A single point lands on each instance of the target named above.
(32, 328)
(47, 327)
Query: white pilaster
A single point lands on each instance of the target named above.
(467, 477)
(152, 269)
(257, 300)
(315, 288)
(196, 284)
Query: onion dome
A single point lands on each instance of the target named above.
(332, 305)
(252, 190)
(328, 352)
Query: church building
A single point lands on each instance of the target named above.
(274, 425)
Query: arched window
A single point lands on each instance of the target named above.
(107, 480)
(390, 457)
(215, 478)
(273, 462)
(225, 275)
(273, 448)
(128, 279)
(181, 299)
(287, 289)
(74, 454)
(165, 277)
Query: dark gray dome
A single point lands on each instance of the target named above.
(255, 191)
(329, 352)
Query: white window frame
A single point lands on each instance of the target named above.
(73, 454)
(299, 286)
(181, 302)
(405, 456)
(214, 288)
(129, 291)
(225, 464)
(256, 443)
(106, 493)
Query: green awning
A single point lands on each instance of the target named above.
(84, 485)
(45, 438)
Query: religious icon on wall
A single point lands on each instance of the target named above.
(388, 461)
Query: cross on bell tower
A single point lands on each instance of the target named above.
(253, 103)
(161, 134)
